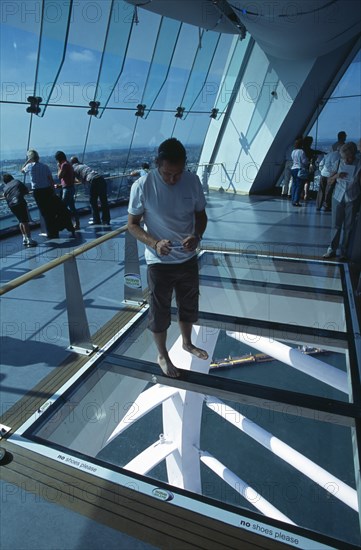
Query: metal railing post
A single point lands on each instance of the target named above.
(205, 175)
(133, 293)
(79, 334)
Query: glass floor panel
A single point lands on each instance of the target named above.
(288, 467)
(263, 435)
(298, 293)
(319, 371)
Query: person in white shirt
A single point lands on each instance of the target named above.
(299, 162)
(287, 176)
(341, 140)
(345, 200)
(143, 171)
(171, 203)
(325, 190)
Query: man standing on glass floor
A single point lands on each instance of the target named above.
(170, 202)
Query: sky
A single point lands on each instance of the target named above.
(75, 84)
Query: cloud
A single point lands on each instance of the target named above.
(84, 56)
(32, 56)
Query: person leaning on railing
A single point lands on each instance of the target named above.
(14, 193)
(67, 179)
(143, 171)
(42, 185)
(97, 190)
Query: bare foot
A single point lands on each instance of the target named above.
(167, 367)
(198, 352)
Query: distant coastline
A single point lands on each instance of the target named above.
(111, 161)
(17, 156)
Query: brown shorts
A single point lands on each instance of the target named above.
(162, 280)
(21, 212)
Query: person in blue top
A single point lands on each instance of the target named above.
(42, 185)
(171, 203)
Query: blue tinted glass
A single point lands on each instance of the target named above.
(350, 83)
(341, 113)
(52, 47)
(76, 84)
(129, 89)
(57, 131)
(18, 55)
(205, 100)
(262, 102)
(200, 68)
(14, 121)
(115, 50)
(347, 110)
(231, 73)
(163, 54)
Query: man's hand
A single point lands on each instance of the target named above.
(163, 247)
(190, 243)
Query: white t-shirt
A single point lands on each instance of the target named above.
(168, 211)
(299, 159)
(346, 188)
(328, 162)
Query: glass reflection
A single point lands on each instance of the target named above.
(272, 290)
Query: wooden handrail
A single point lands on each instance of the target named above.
(59, 261)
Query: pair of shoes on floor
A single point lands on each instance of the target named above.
(29, 243)
(77, 226)
(329, 254)
(92, 222)
(296, 204)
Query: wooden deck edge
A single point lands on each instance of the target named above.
(126, 510)
(16, 415)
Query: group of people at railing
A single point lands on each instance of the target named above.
(301, 162)
(339, 187)
(58, 212)
(75, 182)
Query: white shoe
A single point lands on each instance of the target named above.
(330, 254)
